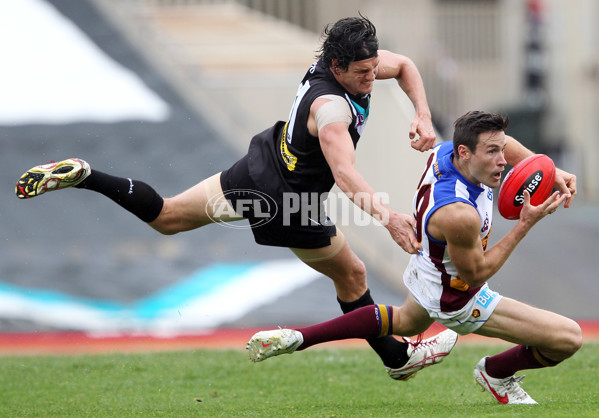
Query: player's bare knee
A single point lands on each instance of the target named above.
(353, 283)
(358, 273)
(573, 338)
(165, 224)
(163, 228)
(567, 341)
(169, 221)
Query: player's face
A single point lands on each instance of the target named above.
(488, 162)
(359, 77)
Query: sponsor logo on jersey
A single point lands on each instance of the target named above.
(289, 159)
(436, 171)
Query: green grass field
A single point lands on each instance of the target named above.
(333, 382)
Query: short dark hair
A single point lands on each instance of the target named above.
(468, 127)
(349, 39)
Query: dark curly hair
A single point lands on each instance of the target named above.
(469, 126)
(349, 39)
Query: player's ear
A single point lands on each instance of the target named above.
(464, 152)
(335, 66)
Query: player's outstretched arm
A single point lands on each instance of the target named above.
(408, 77)
(339, 152)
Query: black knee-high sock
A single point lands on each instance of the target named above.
(135, 196)
(394, 353)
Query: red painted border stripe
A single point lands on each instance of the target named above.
(71, 342)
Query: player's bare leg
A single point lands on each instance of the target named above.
(338, 262)
(197, 206)
(555, 336)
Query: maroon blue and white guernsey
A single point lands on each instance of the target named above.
(431, 277)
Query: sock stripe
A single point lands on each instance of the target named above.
(544, 361)
(385, 320)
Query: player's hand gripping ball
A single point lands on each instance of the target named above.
(535, 174)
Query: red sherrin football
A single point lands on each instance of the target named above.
(535, 174)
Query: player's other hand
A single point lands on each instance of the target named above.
(566, 184)
(401, 227)
(422, 133)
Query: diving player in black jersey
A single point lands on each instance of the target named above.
(288, 168)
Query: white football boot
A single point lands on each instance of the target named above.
(425, 353)
(266, 344)
(507, 391)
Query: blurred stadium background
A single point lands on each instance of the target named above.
(170, 92)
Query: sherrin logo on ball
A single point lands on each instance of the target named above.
(536, 174)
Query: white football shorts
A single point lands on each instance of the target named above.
(464, 321)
